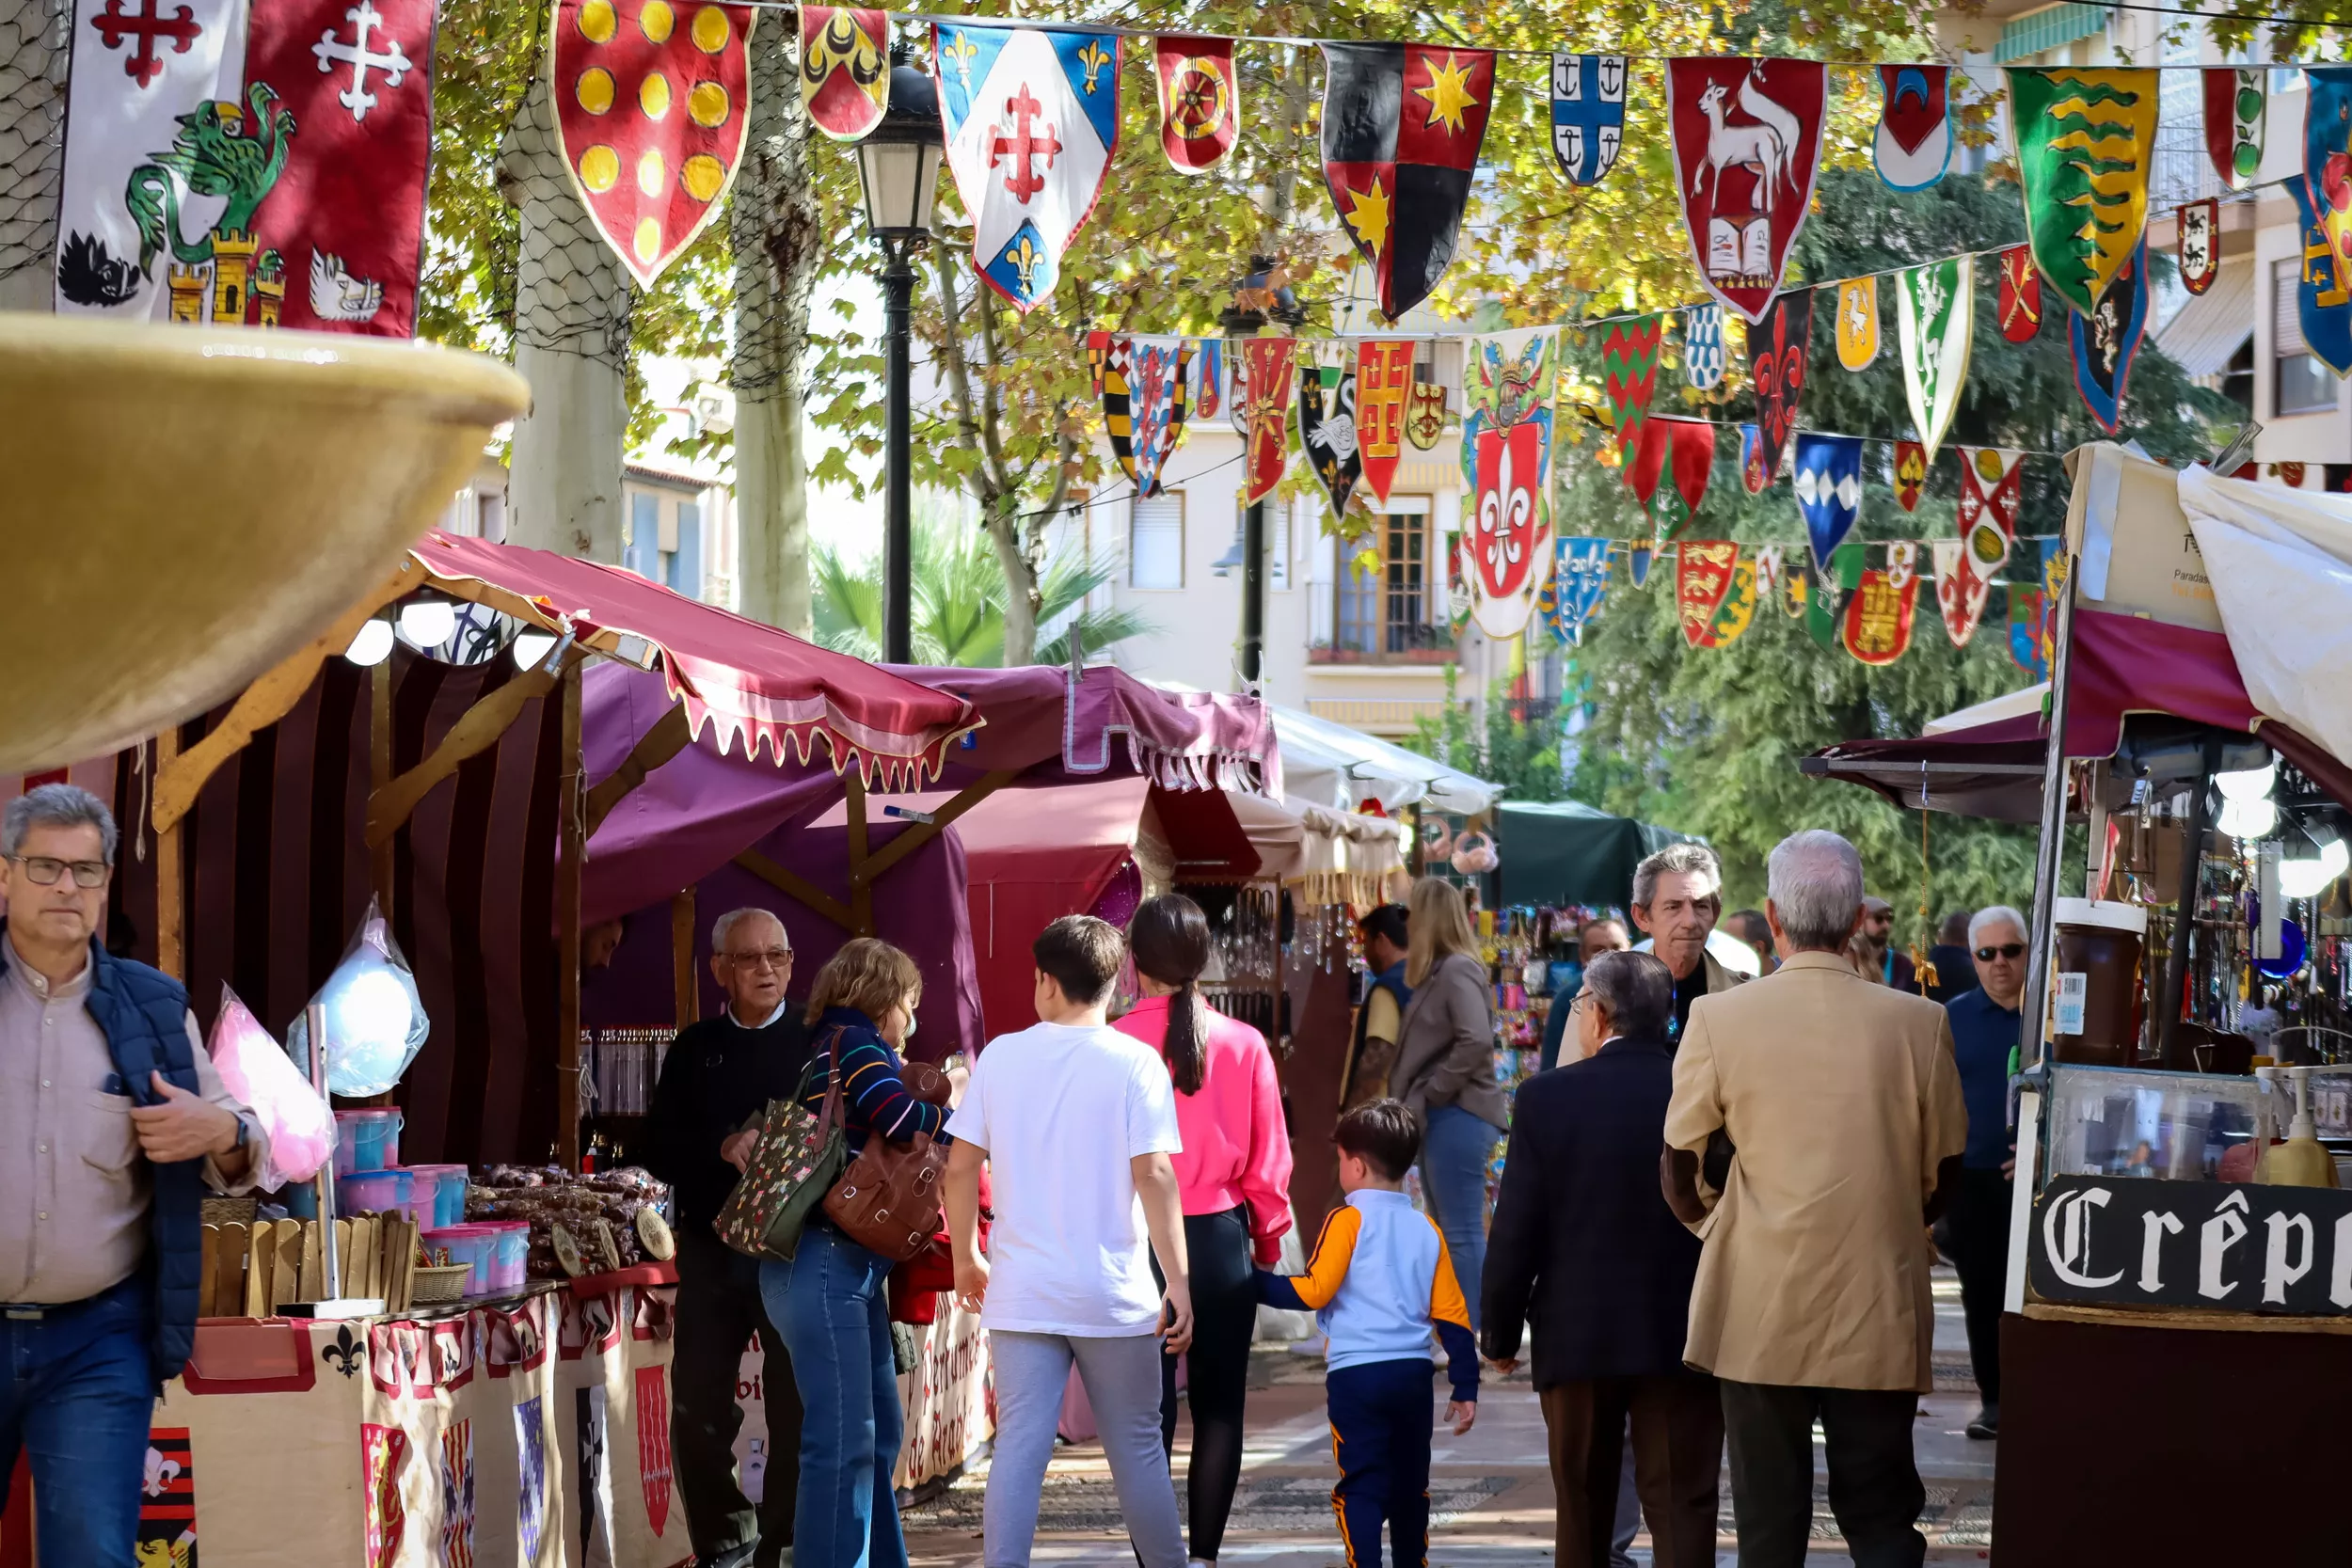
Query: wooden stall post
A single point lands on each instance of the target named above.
(570, 808)
(170, 891)
(380, 774)
(861, 890)
(682, 957)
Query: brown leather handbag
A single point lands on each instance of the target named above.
(888, 1199)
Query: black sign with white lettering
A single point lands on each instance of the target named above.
(2137, 1242)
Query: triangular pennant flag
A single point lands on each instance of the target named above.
(2021, 295)
(1877, 623)
(1902, 561)
(1384, 379)
(1936, 311)
(1208, 378)
(1960, 593)
(1714, 591)
(1769, 560)
(2324, 201)
(1827, 593)
(1911, 474)
(1155, 385)
(1111, 358)
(1702, 352)
(1461, 592)
(1402, 126)
(1628, 372)
(2235, 109)
(1857, 322)
(1031, 116)
(1587, 114)
(1327, 433)
(1639, 554)
(1829, 489)
(1507, 380)
(845, 69)
(1261, 395)
(1754, 473)
(1579, 576)
(1990, 495)
(2196, 232)
(1199, 99)
(1669, 468)
(1796, 589)
(1747, 141)
(1425, 418)
(1914, 139)
(1777, 348)
(2105, 339)
(2024, 631)
(2085, 209)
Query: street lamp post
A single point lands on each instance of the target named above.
(1240, 324)
(897, 167)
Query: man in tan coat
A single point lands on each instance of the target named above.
(1842, 1101)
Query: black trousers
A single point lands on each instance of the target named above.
(1678, 1427)
(1216, 1370)
(718, 1310)
(1874, 1486)
(1981, 1255)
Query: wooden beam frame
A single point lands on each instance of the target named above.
(570, 805)
(865, 869)
(861, 885)
(682, 978)
(476, 731)
(658, 745)
(170, 888)
(799, 888)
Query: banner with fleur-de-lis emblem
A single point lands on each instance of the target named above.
(1777, 349)
(1032, 121)
(1506, 465)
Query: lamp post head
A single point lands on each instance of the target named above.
(898, 162)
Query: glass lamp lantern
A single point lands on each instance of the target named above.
(898, 162)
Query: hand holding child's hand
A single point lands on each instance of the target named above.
(1461, 1413)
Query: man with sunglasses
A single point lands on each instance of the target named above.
(1984, 1036)
(113, 1126)
(716, 1080)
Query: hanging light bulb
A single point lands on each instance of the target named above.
(2310, 878)
(531, 647)
(372, 643)
(2253, 784)
(2245, 820)
(428, 619)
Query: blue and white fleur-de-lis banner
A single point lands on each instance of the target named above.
(1579, 576)
(1703, 346)
(1829, 489)
(1032, 119)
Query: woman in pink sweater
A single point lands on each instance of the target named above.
(1235, 1173)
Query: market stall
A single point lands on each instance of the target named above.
(2180, 1246)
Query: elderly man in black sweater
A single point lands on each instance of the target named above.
(720, 1074)
(1583, 1243)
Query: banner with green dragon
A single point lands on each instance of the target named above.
(2085, 141)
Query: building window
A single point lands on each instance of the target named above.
(641, 552)
(1155, 541)
(2237, 377)
(683, 571)
(1404, 611)
(2300, 384)
(1357, 623)
(1381, 594)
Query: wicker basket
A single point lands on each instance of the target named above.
(230, 1210)
(444, 1282)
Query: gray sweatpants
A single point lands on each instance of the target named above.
(1122, 1383)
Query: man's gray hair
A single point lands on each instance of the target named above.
(1686, 858)
(1993, 914)
(57, 805)
(1638, 990)
(724, 926)
(1815, 881)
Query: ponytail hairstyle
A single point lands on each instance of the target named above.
(1169, 939)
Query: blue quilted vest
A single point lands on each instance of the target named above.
(143, 1013)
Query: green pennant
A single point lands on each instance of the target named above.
(2085, 141)
(1826, 602)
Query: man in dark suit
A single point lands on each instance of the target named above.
(1583, 1242)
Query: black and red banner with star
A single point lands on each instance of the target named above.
(1402, 127)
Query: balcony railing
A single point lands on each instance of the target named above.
(1399, 643)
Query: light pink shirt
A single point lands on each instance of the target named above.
(1236, 1148)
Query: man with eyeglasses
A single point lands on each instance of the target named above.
(1984, 1037)
(715, 1085)
(113, 1126)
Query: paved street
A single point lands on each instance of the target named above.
(1491, 1489)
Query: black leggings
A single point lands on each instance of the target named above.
(1216, 1370)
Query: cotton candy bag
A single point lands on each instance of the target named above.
(376, 1022)
(257, 1071)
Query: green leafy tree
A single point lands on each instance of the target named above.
(1707, 741)
(1511, 741)
(959, 600)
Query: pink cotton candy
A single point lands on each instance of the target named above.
(260, 1073)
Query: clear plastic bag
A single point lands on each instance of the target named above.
(257, 1071)
(376, 1022)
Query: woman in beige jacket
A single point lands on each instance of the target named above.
(1445, 1070)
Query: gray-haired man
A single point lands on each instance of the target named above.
(719, 1076)
(113, 1124)
(1677, 897)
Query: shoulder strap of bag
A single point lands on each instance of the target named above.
(831, 1117)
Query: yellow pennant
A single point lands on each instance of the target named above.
(1857, 322)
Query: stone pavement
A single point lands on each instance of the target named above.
(1490, 1489)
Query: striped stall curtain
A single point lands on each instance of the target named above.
(276, 862)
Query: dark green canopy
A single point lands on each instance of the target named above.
(1564, 852)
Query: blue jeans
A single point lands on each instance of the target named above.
(76, 1393)
(1453, 1179)
(832, 1306)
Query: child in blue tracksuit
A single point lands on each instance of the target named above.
(1379, 1283)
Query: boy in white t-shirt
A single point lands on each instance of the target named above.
(1077, 1122)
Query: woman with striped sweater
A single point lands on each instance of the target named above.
(830, 1302)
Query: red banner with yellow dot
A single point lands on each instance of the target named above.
(651, 101)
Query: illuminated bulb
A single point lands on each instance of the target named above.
(374, 643)
(2310, 878)
(532, 646)
(2252, 785)
(2247, 820)
(428, 623)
